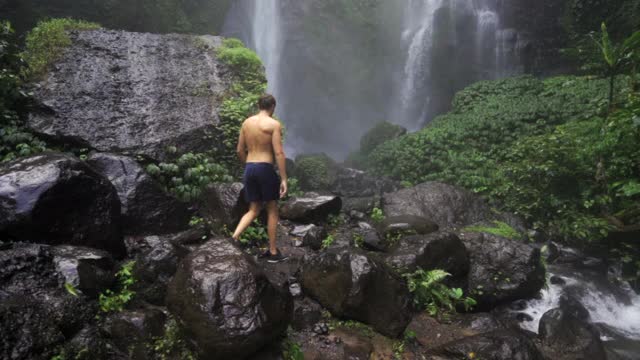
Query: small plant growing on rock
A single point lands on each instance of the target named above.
(292, 350)
(500, 229)
(255, 234)
(377, 216)
(171, 345)
(358, 240)
(429, 292)
(335, 220)
(115, 301)
(328, 241)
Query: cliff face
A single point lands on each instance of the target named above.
(133, 93)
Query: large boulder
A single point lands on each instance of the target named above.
(446, 205)
(356, 183)
(567, 334)
(37, 313)
(134, 93)
(132, 330)
(496, 345)
(502, 270)
(353, 285)
(441, 250)
(311, 208)
(223, 204)
(145, 207)
(406, 224)
(54, 198)
(225, 303)
(316, 172)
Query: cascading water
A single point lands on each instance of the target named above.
(337, 69)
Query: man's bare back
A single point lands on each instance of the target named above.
(259, 134)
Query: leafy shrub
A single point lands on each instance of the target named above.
(314, 171)
(377, 216)
(47, 41)
(172, 345)
(294, 188)
(500, 228)
(255, 234)
(292, 350)
(115, 301)
(235, 54)
(328, 241)
(189, 175)
(429, 292)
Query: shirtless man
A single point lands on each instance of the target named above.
(260, 140)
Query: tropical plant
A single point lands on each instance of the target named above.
(254, 234)
(616, 59)
(430, 293)
(328, 241)
(377, 216)
(114, 301)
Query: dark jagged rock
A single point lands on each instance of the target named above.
(306, 314)
(407, 224)
(133, 93)
(496, 345)
(88, 270)
(225, 302)
(57, 199)
(441, 250)
(131, 330)
(371, 240)
(146, 207)
(566, 333)
(358, 184)
(446, 205)
(310, 209)
(90, 343)
(157, 260)
(310, 235)
(353, 285)
(36, 312)
(502, 270)
(223, 204)
(360, 204)
(432, 334)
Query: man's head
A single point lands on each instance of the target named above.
(267, 103)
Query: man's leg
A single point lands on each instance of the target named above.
(247, 219)
(272, 225)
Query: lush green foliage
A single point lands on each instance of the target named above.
(255, 234)
(380, 133)
(249, 84)
(172, 345)
(294, 187)
(47, 41)
(328, 241)
(111, 301)
(429, 292)
(292, 350)
(187, 177)
(377, 216)
(500, 228)
(15, 139)
(314, 172)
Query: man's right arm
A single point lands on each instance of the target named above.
(281, 158)
(242, 146)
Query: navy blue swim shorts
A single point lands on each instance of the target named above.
(261, 182)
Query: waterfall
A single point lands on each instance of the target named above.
(336, 73)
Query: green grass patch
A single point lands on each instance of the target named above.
(500, 228)
(46, 43)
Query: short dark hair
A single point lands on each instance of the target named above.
(266, 102)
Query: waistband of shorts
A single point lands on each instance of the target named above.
(259, 164)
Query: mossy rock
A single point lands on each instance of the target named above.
(380, 133)
(316, 172)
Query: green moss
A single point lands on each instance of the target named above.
(315, 172)
(500, 229)
(235, 54)
(45, 44)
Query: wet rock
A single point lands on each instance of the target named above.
(361, 204)
(163, 101)
(566, 333)
(502, 270)
(157, 259)
(431, 334)
(358, 184)
(557, 280)
(223, 204)
(409, 224)
(36, 312)
(446, 205)
(353, 285)
(310, 209)
(146, 207)
(311, 235)
(225, 302)
(371, 240)
(89, 270)
(53, 198)
(132, 330)
(340, 344)
(90, 343)
(306, 314)
(496, 345)
(440, 250)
